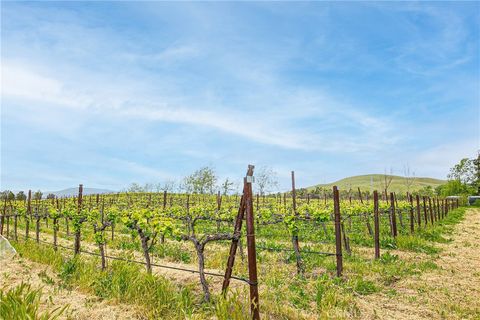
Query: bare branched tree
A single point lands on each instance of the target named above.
(387, 180)
(227, 186)
(409, 177)
(265, 180)
(168, 186)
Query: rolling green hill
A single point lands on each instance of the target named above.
(374, 181)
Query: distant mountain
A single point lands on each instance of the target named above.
(70, 192)
(374, 181)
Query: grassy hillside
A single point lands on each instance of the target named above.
(374, 181)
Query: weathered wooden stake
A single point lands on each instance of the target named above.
(296, 246)
(376, 224)
(252, 254)
(412, 224)
(419, 214)
(393, 215)
(338, 236)
(78, 232)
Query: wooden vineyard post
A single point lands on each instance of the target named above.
(412, 224)
(252, 254)
(245, 209)
(164, 199)
(219, 206)
(77, 232)
(2, 220)
(393, 215)
(37, 224)
(15, 226)
(400, 215)
(425, 211)
(431, 211)
(29, 213)
(338, 235)
(419, 214)
(296, 246)
(376, 224)
(439, 208)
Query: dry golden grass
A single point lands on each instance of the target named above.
(80, 306)
(450, 292)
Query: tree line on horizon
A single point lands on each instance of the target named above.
(463, 180)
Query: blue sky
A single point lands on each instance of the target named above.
(106, 94)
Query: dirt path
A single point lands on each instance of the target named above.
(450, 292)
(80, 305)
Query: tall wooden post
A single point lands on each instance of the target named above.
(296, 246)
(77, 232)
(252, 254)
(425, 211)
(412, 224)
(29, 214)
(393, 215)
(338, 235)
(432, 217)
(419, 214)
(377, 224)
(245, 209)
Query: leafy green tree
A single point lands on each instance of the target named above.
(37, 195)
(464, 171)
(7, 195)
(454, 188)
(201, 181)
(21, 196)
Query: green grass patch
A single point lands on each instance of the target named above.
(23, 302)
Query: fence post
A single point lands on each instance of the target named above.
(412, 224)
(338, 236)
(15, 226)
(77, 232)
(393, 216)
(425, 210)
(296, 246)
(419, 215)
(164, 199)
(440, 209)
(29, 214)
(37, 224)
(252, 254)
(2, 218)
(444, 212)
(376, 224)
(432, 217)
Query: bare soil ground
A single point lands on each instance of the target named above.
(450, 292)
(81, 306)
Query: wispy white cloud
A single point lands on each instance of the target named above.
(182, 83)
(271, 125)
